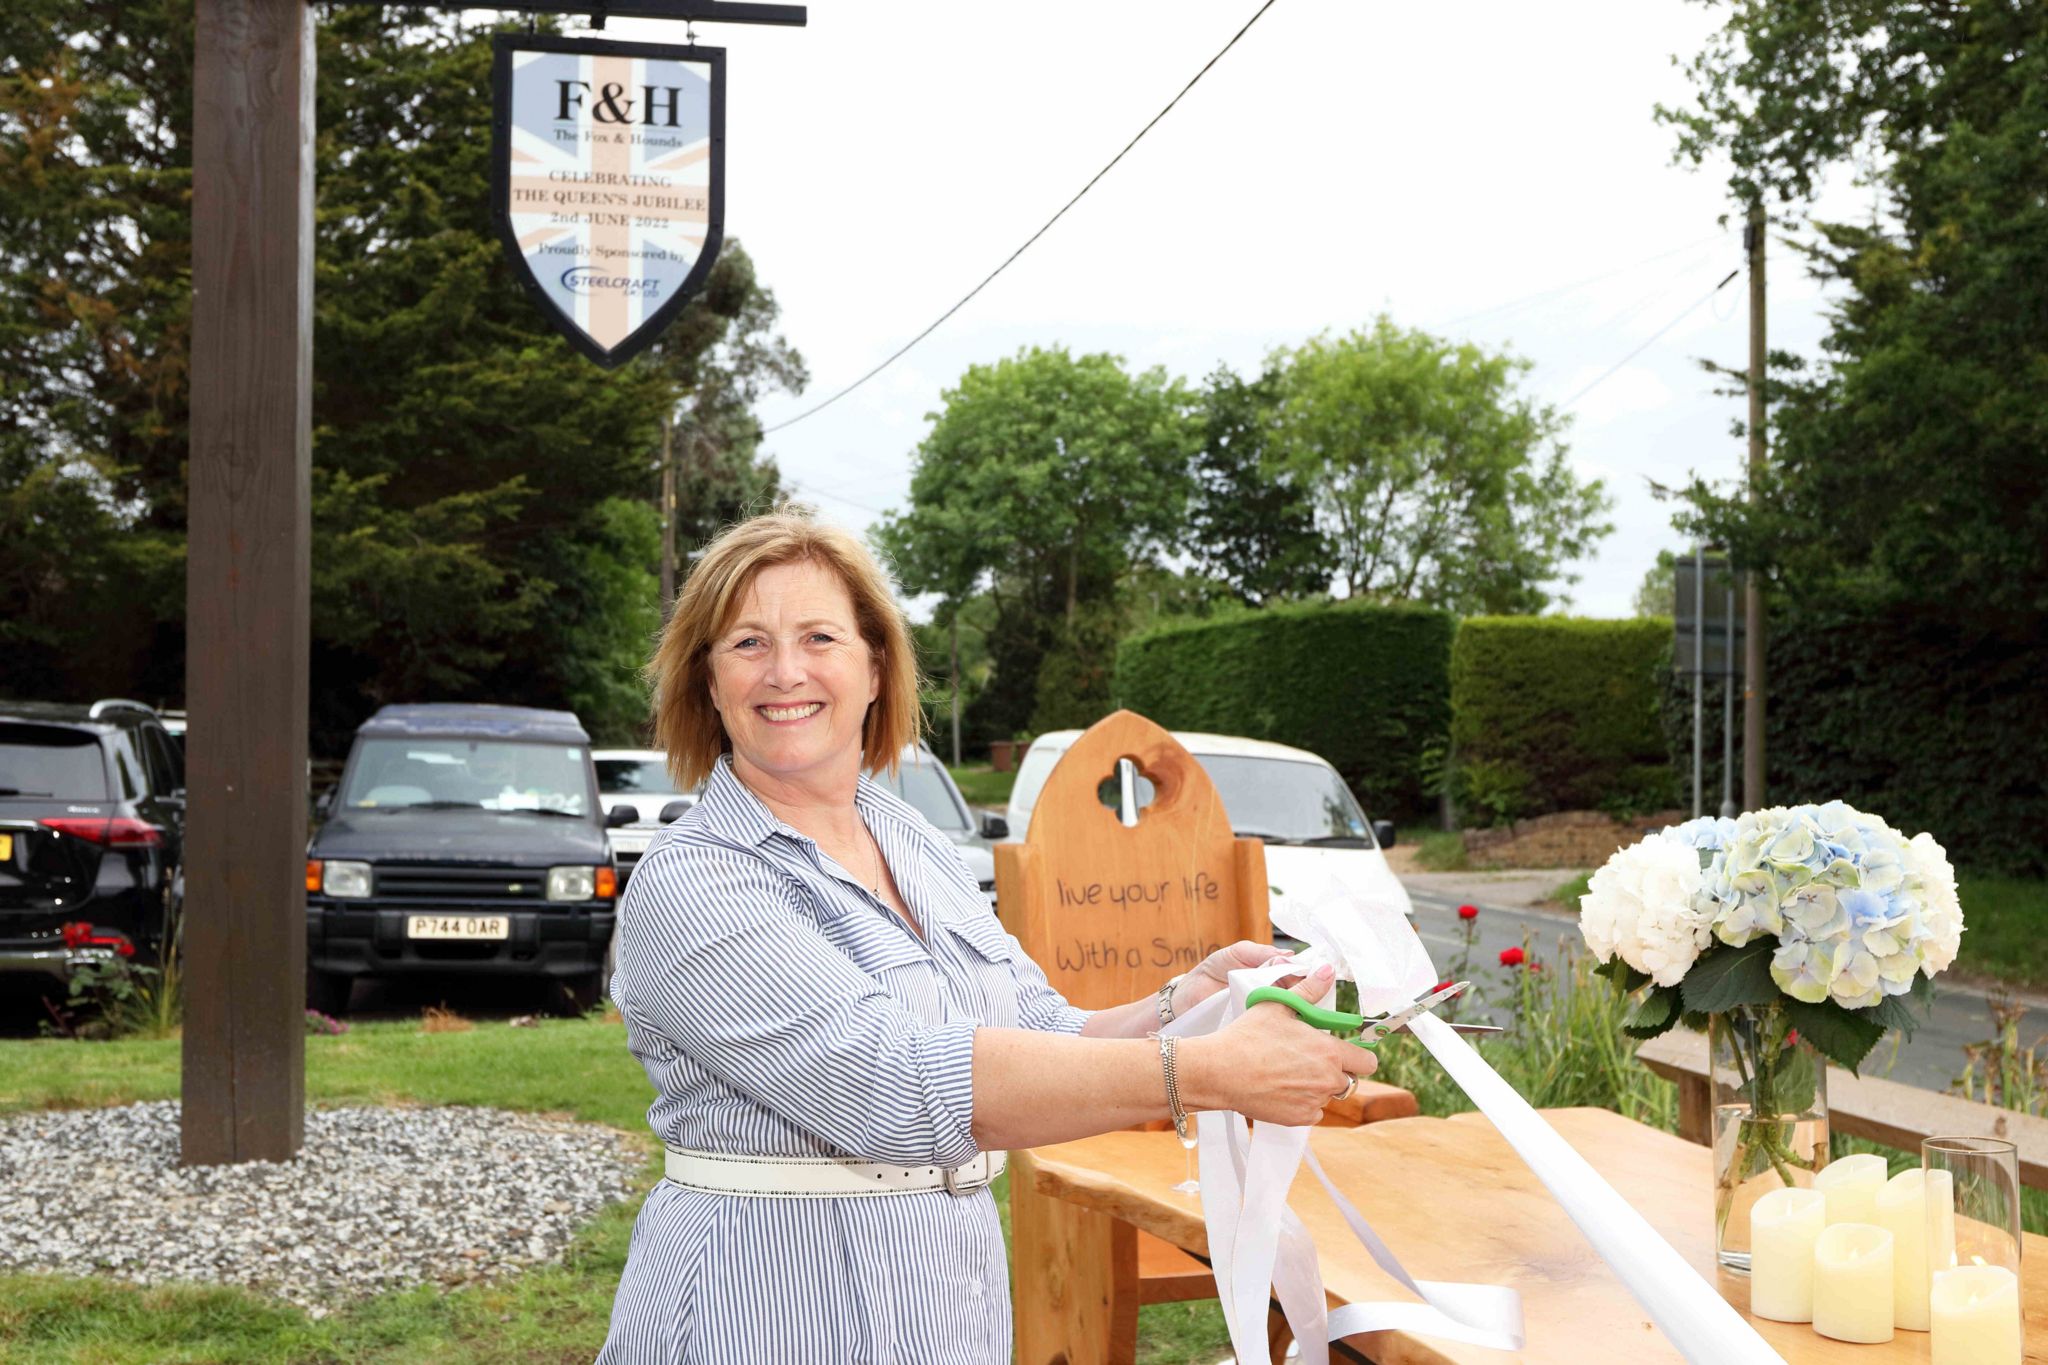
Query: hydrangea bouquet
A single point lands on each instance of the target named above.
(1786, 933)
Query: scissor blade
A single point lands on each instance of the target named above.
(1380, 1028)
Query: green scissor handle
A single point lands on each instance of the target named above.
(1330, 1021)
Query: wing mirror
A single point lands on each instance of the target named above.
(994, 828)
(675, 809)
(621, 815)
(1383, 833)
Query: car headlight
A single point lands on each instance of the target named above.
(572, 883)
(345, 879)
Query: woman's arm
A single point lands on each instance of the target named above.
(1032, 1088)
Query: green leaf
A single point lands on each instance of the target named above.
(1725, 977)
(1785, 1084)
(1844, 1036)
(1901, 1012)
(1653, 1014)
(1621, 974)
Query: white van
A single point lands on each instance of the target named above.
(1314, 830)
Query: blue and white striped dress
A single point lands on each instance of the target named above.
(782, 1010)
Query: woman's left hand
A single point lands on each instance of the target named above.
(1213, 973)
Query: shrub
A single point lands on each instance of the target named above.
(1554, 713)
(1365, 686)
(1931, 722)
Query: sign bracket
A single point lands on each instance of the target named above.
(702, 11)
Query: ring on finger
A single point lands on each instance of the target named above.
(1350, 1084)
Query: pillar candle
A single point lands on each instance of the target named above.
(1852, 1282)
(1975, 1312)
(1902, 1211)
(1783, 1226)
(1851, 1186)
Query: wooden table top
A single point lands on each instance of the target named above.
(1455, 1202)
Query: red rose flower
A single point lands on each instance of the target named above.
(1468, 912)
(1512, 957)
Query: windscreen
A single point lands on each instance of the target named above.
(616, 776)
(1285, 799)
(924, 786)
(490, 774)
(51, 761)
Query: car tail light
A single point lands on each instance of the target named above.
(79, 934)
(607, 883)
(119, 832)
(313, 874)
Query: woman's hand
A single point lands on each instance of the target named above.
(1212, 974)
(1269, 1066)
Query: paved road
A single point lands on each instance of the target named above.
(1932, 1060)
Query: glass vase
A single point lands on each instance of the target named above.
(1770, 1118)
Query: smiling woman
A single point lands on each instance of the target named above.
(843, 1038)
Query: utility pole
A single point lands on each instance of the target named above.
(1753, 599)
(668, 511)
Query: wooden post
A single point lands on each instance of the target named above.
(247, 581)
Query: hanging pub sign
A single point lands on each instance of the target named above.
(608, 181)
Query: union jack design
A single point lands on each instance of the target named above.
(609, 181)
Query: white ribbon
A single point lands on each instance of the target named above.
(1258, 1246)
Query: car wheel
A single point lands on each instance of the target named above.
(328, 992)
(577, 995)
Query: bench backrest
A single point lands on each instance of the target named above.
(1869, 1107)
(1108, 910)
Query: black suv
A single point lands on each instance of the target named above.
(92, 834)
(461, 839)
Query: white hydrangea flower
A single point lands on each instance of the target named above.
(1641, 907)
(1933, 883)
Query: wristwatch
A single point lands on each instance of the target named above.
(1166, 999)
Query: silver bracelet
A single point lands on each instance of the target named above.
(1168, 1065)
(1166, 998)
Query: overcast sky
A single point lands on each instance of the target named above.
(1486, 170)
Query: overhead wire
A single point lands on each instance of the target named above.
(1650, 340)
(904, 349)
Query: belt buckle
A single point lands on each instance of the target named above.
(952, 1178)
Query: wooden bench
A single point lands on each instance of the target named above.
(1862, 1106)
(1109, 911)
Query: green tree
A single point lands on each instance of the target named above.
(1436, 481)
(1656, 594)
(1048, 477)
(1906, 469)
(1250, 527)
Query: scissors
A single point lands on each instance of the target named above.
(1367, 1032)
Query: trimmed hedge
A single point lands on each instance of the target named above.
(1930, 722)
(1556, 713)
(1365, 686)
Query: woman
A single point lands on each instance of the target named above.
(840, 1032)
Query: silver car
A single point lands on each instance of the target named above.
(922, 781)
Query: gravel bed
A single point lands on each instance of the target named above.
(378, 1199)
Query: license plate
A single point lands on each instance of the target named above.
(456, 926)
(6, 848)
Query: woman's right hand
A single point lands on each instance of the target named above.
(1270, 1066)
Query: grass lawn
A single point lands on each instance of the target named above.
(564, 1067)
(983, 785)
(2003, 919)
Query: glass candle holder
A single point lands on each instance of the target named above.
(1972, 1188)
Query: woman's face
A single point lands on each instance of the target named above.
(792, 678)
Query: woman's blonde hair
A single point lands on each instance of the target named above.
(687, 726)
